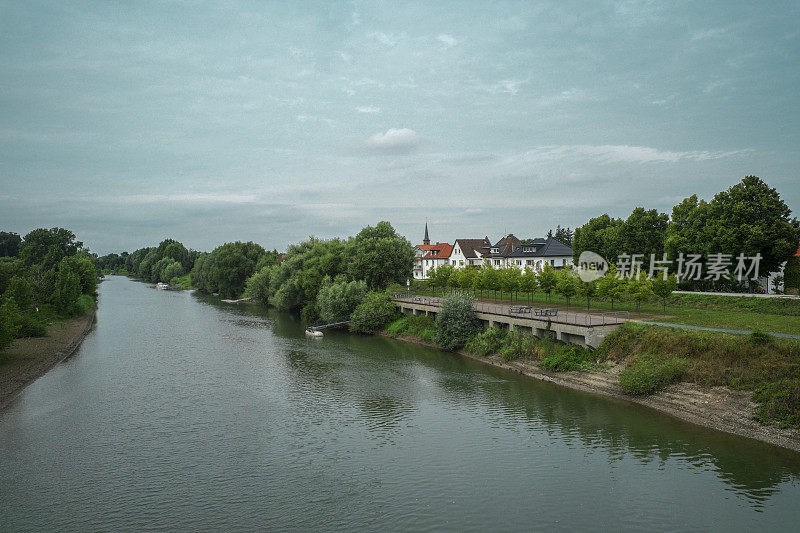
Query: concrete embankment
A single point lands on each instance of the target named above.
(28, 359)
(718, 408)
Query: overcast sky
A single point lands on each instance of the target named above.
(129, 122)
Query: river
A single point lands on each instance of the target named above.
(179, 412)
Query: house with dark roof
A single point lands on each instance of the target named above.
(536, 253)
(470, 252)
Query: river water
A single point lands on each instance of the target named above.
(182, 413)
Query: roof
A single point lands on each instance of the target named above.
(444, 250)
(506, 245)
(470, 246)
(551, 247)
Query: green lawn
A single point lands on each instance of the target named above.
(765, 314)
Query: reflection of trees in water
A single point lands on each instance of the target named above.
(622, 430)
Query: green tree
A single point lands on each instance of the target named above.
(338, 298)
(528, 282)
(48, 246)
(685, 231)
(374, 312)
(510, 280)
(587, 289)
(610, 287)
(567, 284)
(9, 244)
(548, 279)
(643, 232)
(68, 289)
(10, 319)
(171, 271)
(20, 291)
(379, 256)
(640, 289)
(231, 264)
(456, 321)
(257, 286)
(751, 218)
(663, 287)
(598, 235)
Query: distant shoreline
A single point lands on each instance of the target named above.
(28, 359)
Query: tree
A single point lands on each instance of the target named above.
(588, 289)
(338, 298)
(548, 279)
(10, 319)
(640, 288)
(567, 284)
(68, 289)
(231, 264)
(491, 278)
(610, 287)
(171, 271)
(479, 282)
(379, 256)
(685, 231)
(751, 218)
(599, 235)
(374, 312)
(456, 321)
(48, 246)
(564, 235)
(510, 279)
(468, 278)
(643, 232)
(663, 287)
(175, 251)
(20, 291)
(257, 286)
(528, 282)
(9, 244)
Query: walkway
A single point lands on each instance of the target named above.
(741, 331)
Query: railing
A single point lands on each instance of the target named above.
(550, 314)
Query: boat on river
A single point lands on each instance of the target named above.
(162, 286)
(313, 333)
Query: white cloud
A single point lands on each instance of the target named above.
(368, 109)
(447, 40)
(617, 154)
(395, 139)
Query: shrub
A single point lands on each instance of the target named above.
(645, 374)
(421, 326)
(31, 327)
(9, 322)
(84, 304)
(760, 338)
(488, 342)
(521, 345)
(338, 298)
(779, 401)
(567, 358)
(456, 320)
(373, 313)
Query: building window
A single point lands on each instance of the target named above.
(497, 262)
(552, 262)
(461, 263)
(529, 262)
(519, 262)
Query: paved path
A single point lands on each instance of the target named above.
(741, 294)
(742, 331)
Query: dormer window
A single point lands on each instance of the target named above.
(495, 250)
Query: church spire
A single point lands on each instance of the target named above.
(427, 239)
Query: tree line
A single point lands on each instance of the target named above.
(749, 217)
(44, 276)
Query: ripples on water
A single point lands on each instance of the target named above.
(182, 413)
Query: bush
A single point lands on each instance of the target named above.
(645, 374)
(9, 322)
(31, 327)
(779, 402)
(421, 326)
(373, 313)
(488, 342)
(521, 345)
(457, 321)
(338, 298)
(761, 338)
(568, 358)
(84, 304)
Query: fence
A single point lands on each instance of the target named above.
(521, 311)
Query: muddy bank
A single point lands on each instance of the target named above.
(717, 408)
(28, 359)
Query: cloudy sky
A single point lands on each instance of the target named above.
(128, 122)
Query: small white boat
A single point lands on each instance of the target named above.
(313, 333)
(162, 286)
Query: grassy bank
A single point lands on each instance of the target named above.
(653, 358)
(657, 356)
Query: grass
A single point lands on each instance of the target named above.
(549, 354)
(767, 366)
(184, 282)
(777, 315)
(421, 326)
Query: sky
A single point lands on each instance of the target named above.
(209, 122)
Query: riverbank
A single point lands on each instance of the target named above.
(27, 359)
(718, 408)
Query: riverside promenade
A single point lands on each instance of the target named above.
(584, 329)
